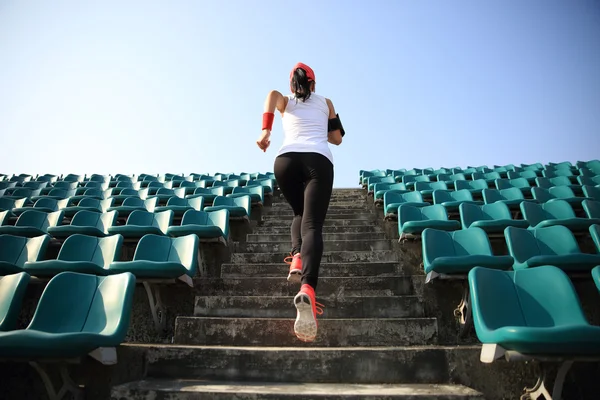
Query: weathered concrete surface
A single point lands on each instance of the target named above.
(328, 222)
(328, 257)
(330, 217)
(331, 211)
(329, 245)
(192, 389)
(279, 332)
(328, 287)
(348, 229)
(279, 270)
(287, 237)
(282, 307)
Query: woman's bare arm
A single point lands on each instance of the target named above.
(333, 137)
(275, 100)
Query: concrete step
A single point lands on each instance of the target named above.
(327, 229)
(337, 206)
(331, 210)
(328, 257)
(330, 245)
(328, 287)
(280, 270)
(415, 364)
(287, 237)
(280, 332)
(285, 222)
(151, 389)
(282, 307)
(350, 216)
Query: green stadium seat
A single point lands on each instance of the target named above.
(557, 212)
(520, 183)
(532, 311)
(591, 208)
(43, 204)
(392, 200)
(88, 204)
(229, 185)
(56, 194)
(89, 223)
(128, 192)
(162, 257)
(187, 187)
(596, 276)
(35, 185)
(412, 221)
(378, 179)
(410, 180)
(9, 204)
(559, 172)
(153, 187)
(20, 193)
(209, 194)
(556, 193)
(381, 188)
(179, 206)
(134, 203)
(529, 176)
(80, 253)
(163, 195)
(492, 218)
(554, 245)
(595, 233)
(3, 217)
(547, 183)
(589, 180)
(15, 251)
(206, 225)
(592, 192)
(73, 178)
(239, 207)
(427, 188)
(488, 177)
(458, 252)
(33, 223)
(502, 171)
(140, 223)
(76, 314)
(366, 174)
(256, 193)
(12, 291)
(451, 200)
(89, 194)
(512, 197)
(475, 187)
(7, 185)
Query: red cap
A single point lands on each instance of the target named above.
(309, 72)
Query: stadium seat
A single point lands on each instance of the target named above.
(547, 183)
(205, 225)
(557, 212)
(554, 173)
(381, 188)
(90, 223)
(55, 194)
(80, 253)
(458, 252)
(88, 204)
(532, 311)
(179, 206)
(413, 220)
(256, 193)
(512, 197)
(140, 223)
(76, 314)
(554, 245)
(15, 251)
(451, 200)
(392, 200)
(187, 187)
(268, 184)
(595, 233)
(371, 181)
(7, 185)
(20, 193)
(556, 193)
(529, 176)
(596, 276)
(366, 174)
(239, 207)
(3, 217)
(591, 208)
(33, 223)
(8, 205)
(128, 192)
(589, 180)
(134, 203)
(475, 187)
(209, 194)
(488, 177)
(427, 188)
(12, 291)
(410, 180)
(592, 192)
(520, 183)
(46, 205)
(89, 194)
(35, 185)
(492, 218)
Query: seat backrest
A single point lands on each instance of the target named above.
(422, 178)
(65, 185)
(472, 241)
(561, 192)
(140, 218)
(461, 195)
(153, 248)
(534, 213)
(94, 192)
(595, 232)
(496, 211)
(154, 183)
(591, 208)
(412, 197)
(436, 244)
(243, 201)
(100, 251)
(18, 250)
(559, 209)
(442, 177)
(165, 191)
(89, 202)
(423, 186)
(220, 218)
(177, 201)
(545, 183)
(162, 220)
(8, 204)
(470, 213)
(129, 192)
(39, 219)
(12, 291)
(458, 177)
(202, 190)
(45, 202)
(541, 194)
(492, 175)
(442, 196)
(73, 178)
(187, 184)
(233, 183)
(73, 302)
(133, 202)
(433, 213)
(408, 213)
(491, 196)
(223, 201)
(219, 191)
(560, 180)
(591, 192)
(194, 217)
(524, 244)
(184, 250)
(23, 192)
(408, 178)
(3, 215)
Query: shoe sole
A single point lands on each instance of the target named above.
(295, 276)
(305, 326)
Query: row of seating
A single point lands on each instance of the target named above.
(208, 224)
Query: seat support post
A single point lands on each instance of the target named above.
(463, 313)
(157, 308)
(68, 385)
(540, 391)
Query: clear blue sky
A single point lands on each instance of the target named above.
(178, 86)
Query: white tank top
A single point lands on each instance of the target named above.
(305, 126)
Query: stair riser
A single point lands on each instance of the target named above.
(282, 307)
(390, 365)
(279, 222)
(339, 245)
(326, 270)
(326, 237)
(285, 211)
(328, 257)
(359, 206)
(280, 230)
(328, 287)
(286, 217)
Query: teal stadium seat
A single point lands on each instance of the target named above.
(591, 208)
(529, 176)
(9, 204)
(12, 291)
(33, 223)
(256, 193)
(132, 204)
(381, 188)
(411, 180)
(179, 206)
(239, 207)
(520, 183)
(557, 193)
(492, 218)
(595, 233)
(15, 251)
(3, 217)
(547, 183)
(209, 194)
(206, 225)
(80, 253)
(596, 276)
(412, 221)
(557, 212)
(532, 311)
(554, 245)
(162, 257)
(88, 204)
(458, 252)
(392, 200)
(451, 200)
(488, 177)
(76, 314)
(475, 187)
(426, 188)
(512, 197)
(592, 192)
(44, 204)
(379, 179)
(140, 223)
(93, 193)
(90, 223)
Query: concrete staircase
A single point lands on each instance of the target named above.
(374, 340)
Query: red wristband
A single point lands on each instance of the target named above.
(268, 120)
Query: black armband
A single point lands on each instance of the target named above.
(334, 124)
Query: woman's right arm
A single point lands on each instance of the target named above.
(333, 137)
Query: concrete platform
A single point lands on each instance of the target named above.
(280, 270)
(329, 245)
(328, 257)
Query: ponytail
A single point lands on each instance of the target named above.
(300, 84)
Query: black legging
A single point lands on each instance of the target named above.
(306, 181)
